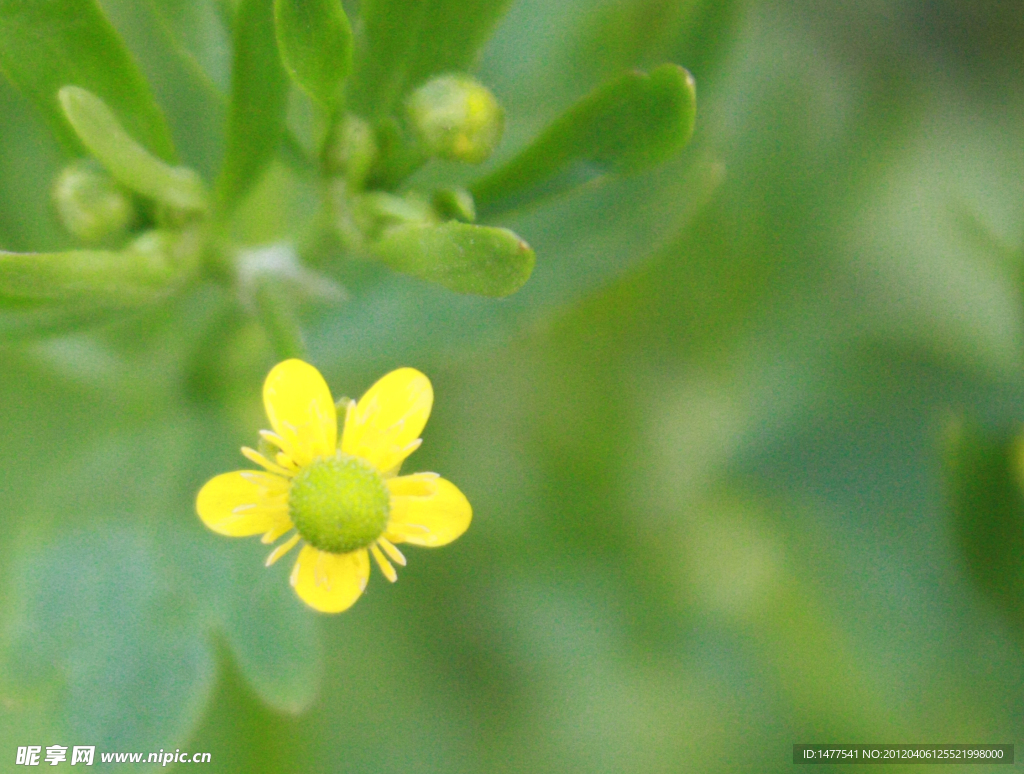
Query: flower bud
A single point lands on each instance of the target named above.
(378, 212)
(454, 204)
(90, 204)
(351, 150)
(456, 118)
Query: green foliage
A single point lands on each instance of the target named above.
(45, 292)
(199, 35)
(259, 99)
(626, 126)
(404, 42)
(986, 484)
(631, 123)
(47, 45)
(315, 41)
(459, 256)
(702, 438)
(128, 161)
(581, 243)
(120, 605)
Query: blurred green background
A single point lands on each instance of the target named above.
(741, 458)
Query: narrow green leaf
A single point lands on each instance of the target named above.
(113, 646)
(315, 40)
(404, 42)
(47, 44)
(48, 292)
(124, 158)
(120, 602)
(30, 322)
(630, 123)
(138, 275)
(586, 240)
(986, 482)
(460, 256)
(283, 662)
(194, 107)
(259, 102)
(277, 316)
(199, 36)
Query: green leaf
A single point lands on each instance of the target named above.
(315, 41)
(138, 275)
(47, 292)
(30, 161)
(119, 599)
(45, 45)
(259, 102)
(986, 481)
(462, 257)
(100, 621)
(271, 633)
(276, 314)
(128, 161)
(198, 34)
(583, 242)
(635, 33)
(404, 42)
(631, 123)
(195, 105)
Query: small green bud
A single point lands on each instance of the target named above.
(454, 204)
(351, 150)
(339, 504)
(91, 205)
(456, 118)
(378, 212)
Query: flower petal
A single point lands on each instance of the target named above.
(283, 549)
(246, 502)
(329, 582)
(426, 510)
(384, 427)
(300, 409)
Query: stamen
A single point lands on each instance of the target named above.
(371, 409)
(410, 447)
(391, 550)
(282, 549)
(395, 428)
(272, 437)
(384, 564)
(401, 453)
(294, 440)
(254, 456)
(274, 533)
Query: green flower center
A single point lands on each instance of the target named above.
(339, 503)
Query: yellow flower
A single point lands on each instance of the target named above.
(344, 500)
